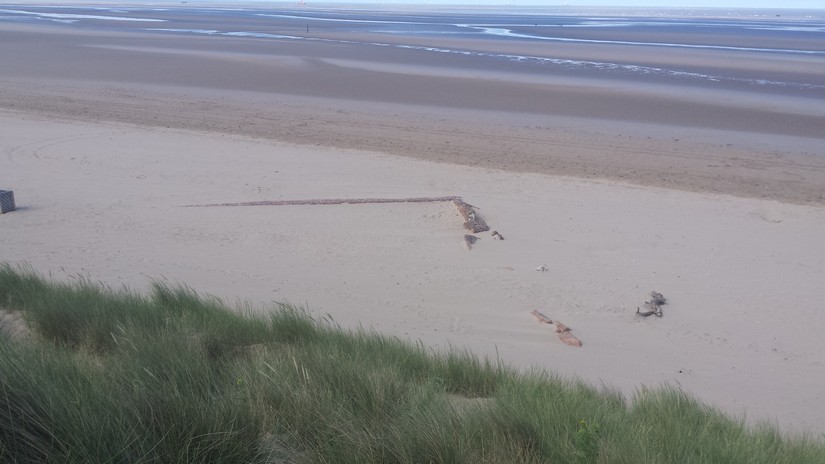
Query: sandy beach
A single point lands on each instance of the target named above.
(617, 186)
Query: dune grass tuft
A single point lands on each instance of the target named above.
(114, 376)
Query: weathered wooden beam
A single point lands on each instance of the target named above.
(565, 336)
(472, 221)
(331, 201)
(541, 317)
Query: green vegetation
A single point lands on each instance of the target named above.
(111, 376)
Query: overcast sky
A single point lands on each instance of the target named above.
(698, 3)
(808, 4)
(811, 4)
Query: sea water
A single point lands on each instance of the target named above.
(738, 32)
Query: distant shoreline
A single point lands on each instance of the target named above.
(590, 111)
(492, 7)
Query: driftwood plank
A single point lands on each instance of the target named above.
(568, 338)
(564, 332)
(541, 317)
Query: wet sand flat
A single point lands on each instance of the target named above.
(360, 90)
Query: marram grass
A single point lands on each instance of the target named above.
(112, 376)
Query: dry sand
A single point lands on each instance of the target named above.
(724, 218)
(743, 276)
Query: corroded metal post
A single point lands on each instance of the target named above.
(6, 201)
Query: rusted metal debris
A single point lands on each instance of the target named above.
(653, 306)
(564, 332)
(6, 201)
(472, 222)
(469, 241)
